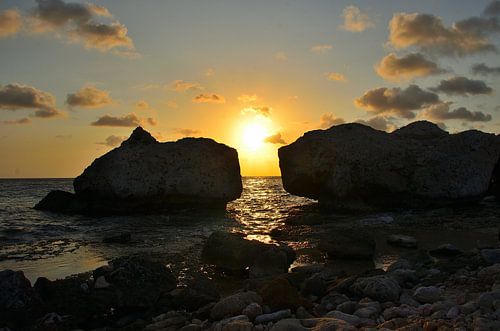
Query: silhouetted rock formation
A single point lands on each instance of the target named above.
(145, 175)
(353, 166)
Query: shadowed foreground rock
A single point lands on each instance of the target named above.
(143, 175)
(353, 166)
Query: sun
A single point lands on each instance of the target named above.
(253, 136)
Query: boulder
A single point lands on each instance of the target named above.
(402, 240)
(144, 175)
(353, 166)
(232, 252)
(380, 288)
(278, 293)
(234, 304)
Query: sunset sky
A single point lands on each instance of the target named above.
(77, 77)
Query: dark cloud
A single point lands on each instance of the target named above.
(275, 139)
(462, 86)
(209, 98)
(129, 120)
(409, 66)
(396, 101)
(493, 9)
(328, 120)
(186, 132)
(442, 112)
(483, 69)
(79, 22)
(17, 96)
(428, 33)
(10, 22)
(23, 120)
(112, 141)
(378, 123)
(89, 97)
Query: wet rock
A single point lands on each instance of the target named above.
(453, 312)
(273, 317)
(143, 175)
(380, 288)
(61, 201)
(191, 327)
(15, 291)
(302, 313)
(428, 294)
(353, 166)
(401, 311)
(401, 240)
(101, 283)
(314, 285)
(348, 244)
(399, 264)
(278, 293)
(234, 304)
(198, 292)
(446, 250)
(490, 274)
(233, 252)
(491, 256)
(137, 281)
(252, 310)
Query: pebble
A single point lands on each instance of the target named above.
(252, 311)
(273, 317)
(101, 282)
(351, 319)
(427, 294)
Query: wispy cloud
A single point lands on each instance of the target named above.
(335, 76)
(355, 20)
(89, 97)
(321, 49)
(209, 98)
(129, 120)
(10, 22)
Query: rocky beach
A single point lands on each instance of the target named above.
(411, 247)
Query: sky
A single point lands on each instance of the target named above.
(77, 77)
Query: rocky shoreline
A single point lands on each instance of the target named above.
(440, 289)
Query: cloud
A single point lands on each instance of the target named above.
(245, 98)
(186, 132)
(396, 101)
(129, 120)
(409, 66)
(378, 123)
(462, 86)
(63, 136)
(78, 22)
(275, 139)
(335, 76)
(262, 110)
(442, 112)
(209, 98)
(10, 23)
(280, 56)
(23, 120)
(483, 69)
(142, 105)
(321, 49)
(182, 86)
(89, 97)
(328, 120)
(355, 20)
(428, 33)
(209, 72)
(17, 96)
(493, 9)
(112, 141)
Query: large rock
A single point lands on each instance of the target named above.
(146, 175)
(230, 251)
(353, 166)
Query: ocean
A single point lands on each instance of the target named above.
(57, 245)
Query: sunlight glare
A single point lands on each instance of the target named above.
(254, 135)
